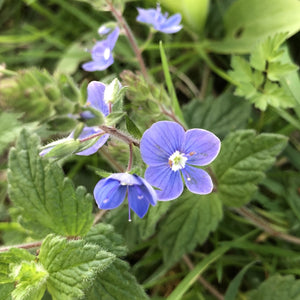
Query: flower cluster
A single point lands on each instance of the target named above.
(169, 151)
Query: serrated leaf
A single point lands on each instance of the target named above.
(148, 224)
(277, 287)
(221, 115)
(132, 128)
(72, 266)
(47, 200)
(105, 236)
(116, 283)
(277, 70)
(31, 280)
(241, 164)
(10, 127)
(189, 223)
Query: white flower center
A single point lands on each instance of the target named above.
(177, 161)
(106, 53)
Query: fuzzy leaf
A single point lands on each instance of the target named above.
(31, 280)
(132, 128)
(241, 164)
(48, 202)
(105, 236)
(189, 223)
(116, 283)
(277, 287)
(72, 266)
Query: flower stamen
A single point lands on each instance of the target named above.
(177, 161)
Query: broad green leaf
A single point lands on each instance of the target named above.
(72, 266)
(189, 223)
(116, 283)
(241, 164)
(31, 280)
(277, 287)
(6, 290)
(48, 202)
(147, 225)
(104, 235)
(10, 127)
(221, 115)
(169, 83)
(249, 21)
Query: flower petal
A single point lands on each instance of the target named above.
(109, 193)
(171, 25)
(146, 15)
(149, 191)
(126, 178)
(168, 181)
(95, 96)
(138, 200)
(201, 147)
(160, 141)
(197, 180)
(87, 132)
(92, 66)
(112, 38)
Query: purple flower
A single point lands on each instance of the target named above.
(102, 53)
(170, 151)
(159, 21)
(110, 192)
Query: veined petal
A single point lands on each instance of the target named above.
(197, 181)
(160, 141)
(149, 191)
(168, 181)
(138, 200)
(201, 147)
(109, 193)
(95, 96)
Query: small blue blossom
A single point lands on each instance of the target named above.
(110, 192)
(159, 21)
(101, 53)
(170, 151)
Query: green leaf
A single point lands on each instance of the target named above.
(48, 202)
(10, 128)
(148, 224)
(6, 290)
(72, 266)
(113, 118)
(221, 115)
(188, 223)
(14, 256)
(249, 21)
(192, 276)
(277, 70)
(31, 280)
(116, 283)
(241, 164)
(232, 290)
(105, 236)
(171, 89)
(277, 287)
(132, 128)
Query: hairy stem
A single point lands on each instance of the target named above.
(130, 158)
(22, 246)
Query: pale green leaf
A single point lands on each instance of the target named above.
(277, 287)
(116, 283)
(47, 200)
(104, 235)
(6, 290)
(241, 164)
(72, 266)
(247, 22)
(277, 70)
(189, 223)
(31, 280)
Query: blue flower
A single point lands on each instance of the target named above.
(170, 151)
(159, 21)
(110, 192)
(95, 99)
(102, 53)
